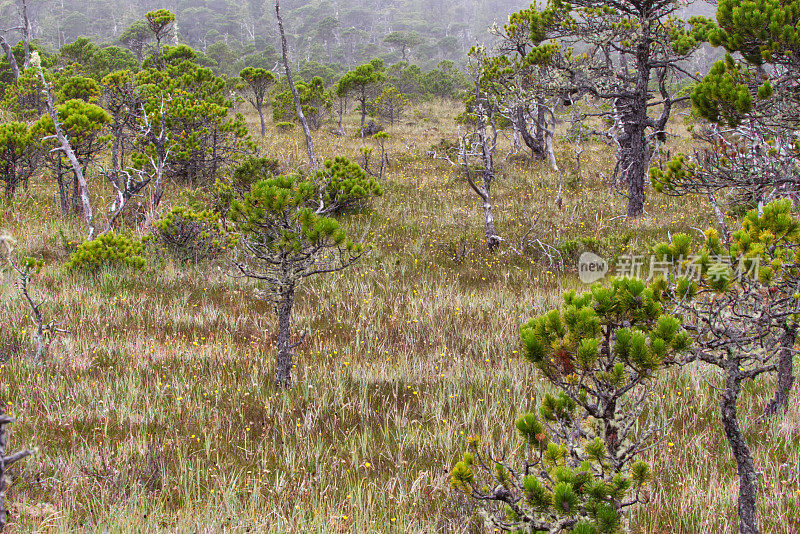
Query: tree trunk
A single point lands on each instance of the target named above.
(67, 149)
(634, 148)
(26, 35)
(312, 157)
(741, 452)
(283, 367)
(537, 149)
(12, 61)
(261, 117)
(492, 239)
(540, 120)
(785, 373)
(62, 189)
(363, 101)
(6, 461)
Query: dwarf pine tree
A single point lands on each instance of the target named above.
(18, 155)
(281, 242)
(258, 82)
(343, 185)
(578, 469)
(363, 83)
(740, 303)
(160, 23)
(749, 152)
(632, 47)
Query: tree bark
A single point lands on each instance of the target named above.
(492, 239)
(635, 158)
(741, 452)
(261, 117)
(283, 367)
(537, 149)
(12, 61)
(785, 373)
(363, 100)
(5, 462)
(67, 149)
(312, 157)
(26, 35)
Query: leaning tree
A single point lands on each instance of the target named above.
(281, 243)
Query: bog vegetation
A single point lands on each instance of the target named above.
(246, 293)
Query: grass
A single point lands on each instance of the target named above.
(157, 411)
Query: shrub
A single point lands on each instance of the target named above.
(284, 126)
(579, 470)
(191, 235)
(345, 185)
(107, 249)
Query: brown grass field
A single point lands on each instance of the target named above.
(157, 411)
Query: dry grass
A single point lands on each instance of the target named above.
(157, 411)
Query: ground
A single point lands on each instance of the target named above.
(157, 410)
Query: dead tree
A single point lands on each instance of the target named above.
(480, 144)
(25, 269)
(25, 30)
(7, 461)
(312, 157)
(155, 141)
(66, 148)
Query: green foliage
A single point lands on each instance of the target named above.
(84, 125)
(259, 80)
(345, 185)
(403, 41)
(204, 138)
(17, 155)
(191, 235)
(723, 95)
(445, 81)
(569, 342)
(601, 350)
(361, 82)
(315, 101)
(109, 249)
(388, 105)
(78, 87)
(25, 98)
(274, 217)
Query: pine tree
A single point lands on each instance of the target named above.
(404, 41)
(362, 82)
(749, 152)
(741, 304)
(578, 470)
(259, 82)
(18, 155)
(631, 47)
(281, 242)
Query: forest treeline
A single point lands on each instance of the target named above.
(239, 33)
